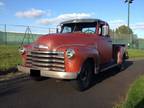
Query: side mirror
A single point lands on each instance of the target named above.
(105, 30)
(58, 29)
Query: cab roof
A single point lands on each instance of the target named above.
(73, 21)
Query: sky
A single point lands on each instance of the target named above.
(49, 13)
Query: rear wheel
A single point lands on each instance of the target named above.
(85, 77)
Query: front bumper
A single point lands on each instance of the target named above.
(52, 74)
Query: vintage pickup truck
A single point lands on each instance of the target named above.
(81, 49)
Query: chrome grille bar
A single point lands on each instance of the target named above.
(47, 64)
(46, 60)
(45, 56)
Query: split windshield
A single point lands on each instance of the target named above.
(79, 27)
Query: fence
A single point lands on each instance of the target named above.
(16, 34)
(132, 40)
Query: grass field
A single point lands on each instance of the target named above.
(9, 57)
(135, 96)
(136, 53)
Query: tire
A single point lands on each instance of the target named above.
(119, 67)
(85, 77)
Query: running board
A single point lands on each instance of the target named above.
(109, 67)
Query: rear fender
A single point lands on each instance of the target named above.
(120, 55)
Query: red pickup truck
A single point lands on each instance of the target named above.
(80, 50)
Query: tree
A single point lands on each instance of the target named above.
(124, 30)
(111, 32)
(135, 41)
(124, 34)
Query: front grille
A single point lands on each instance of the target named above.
(46, 60)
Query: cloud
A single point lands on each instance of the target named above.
(116, 23)
(63, 17)
(1, 3)
(138, 26)
(32, 13)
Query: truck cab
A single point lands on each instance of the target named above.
(96, 30)
(81, 49)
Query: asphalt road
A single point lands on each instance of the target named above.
(108, 89)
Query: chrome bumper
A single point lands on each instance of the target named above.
(52, 74)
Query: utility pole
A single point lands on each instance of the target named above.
(128, 23)
(5, 26)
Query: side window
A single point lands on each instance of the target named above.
(103, 30)
(67, 29)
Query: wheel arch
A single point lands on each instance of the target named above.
(94, 63)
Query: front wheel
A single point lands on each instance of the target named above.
(85, 77)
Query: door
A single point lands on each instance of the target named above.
(104, 44)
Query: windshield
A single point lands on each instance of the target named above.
(79, 27)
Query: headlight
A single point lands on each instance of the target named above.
(22, 50)
(70, 53)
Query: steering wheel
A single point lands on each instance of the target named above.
(89, 31)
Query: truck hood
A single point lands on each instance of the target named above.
(55, 41)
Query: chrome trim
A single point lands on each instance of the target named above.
(52, 74)
(28, 60)
(48, 64)
(104, 69)
(48, 69)
(41, 55)
(47, 60)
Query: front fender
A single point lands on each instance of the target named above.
(82, 53)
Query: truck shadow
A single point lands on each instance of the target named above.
(9, 91)
(109, 73)
(11, 87)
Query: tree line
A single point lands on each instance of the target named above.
(125, 33)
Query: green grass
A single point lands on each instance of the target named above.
(135, 96)
(135, 53)
(9, 56)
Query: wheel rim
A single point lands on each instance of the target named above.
(84, 77)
